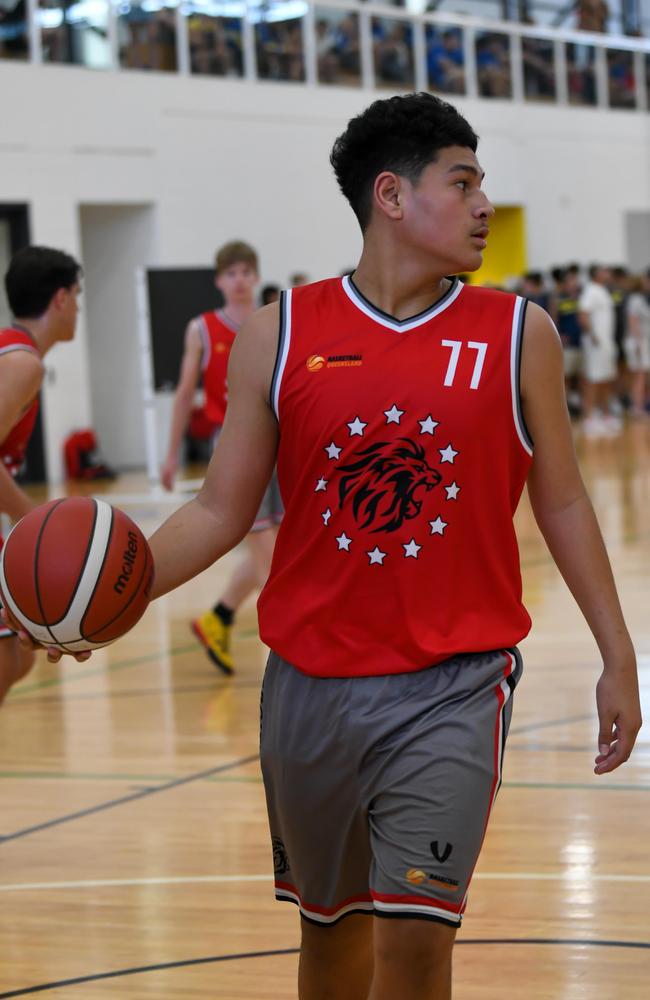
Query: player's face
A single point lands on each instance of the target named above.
(447, 212)
(237, 283)
(69, 310)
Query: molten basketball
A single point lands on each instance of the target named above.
(76, 573)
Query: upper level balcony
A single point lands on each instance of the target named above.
(342, 43)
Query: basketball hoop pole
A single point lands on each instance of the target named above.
(146, 377)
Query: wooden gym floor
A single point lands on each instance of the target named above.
(134, 859)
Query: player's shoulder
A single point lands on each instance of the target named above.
(18, 351)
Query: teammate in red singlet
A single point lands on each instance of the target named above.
(208, 340)
(406, 412)
(42, 287)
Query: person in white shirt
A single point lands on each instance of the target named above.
(597, 320)
(637, 342)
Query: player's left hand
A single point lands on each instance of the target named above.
(619, 714)
(25, 639)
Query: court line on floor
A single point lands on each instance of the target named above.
(595, 786)
(174, 880)
(77, 673)
(113, 803)
(213, 959)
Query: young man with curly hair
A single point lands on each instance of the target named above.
(406, 412)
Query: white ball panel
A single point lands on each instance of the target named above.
(91, 571)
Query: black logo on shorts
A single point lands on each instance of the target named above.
(280, 858)
(441, 856)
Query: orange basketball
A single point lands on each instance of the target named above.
(76, 573)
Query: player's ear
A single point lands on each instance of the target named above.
(387, 194)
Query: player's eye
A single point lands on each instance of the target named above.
(463, 185)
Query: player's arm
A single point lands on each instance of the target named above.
(21, 374)
(183, 400)
(241, 466)
(568, 523)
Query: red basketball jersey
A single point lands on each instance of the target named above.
(14, 446)
(217, 334)
(402, 457)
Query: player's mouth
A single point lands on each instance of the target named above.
(480, 235)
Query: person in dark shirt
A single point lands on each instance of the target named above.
(567, 293)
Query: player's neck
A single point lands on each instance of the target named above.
(38, 331)
(398, 285)
(238, 312)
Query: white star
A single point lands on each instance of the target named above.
(344, 542)
(326, 516)
(376, 556)
(393, 416)
(321, 486)
(357, 426)
(411, 549)
(447, 454)
(452, 491)
(438, 526)
(428, 425)
(333, 451)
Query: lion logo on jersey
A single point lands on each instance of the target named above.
(382, 483)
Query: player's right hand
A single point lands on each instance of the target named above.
(168, 473)
(25, 639)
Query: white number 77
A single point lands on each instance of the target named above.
(455, 345)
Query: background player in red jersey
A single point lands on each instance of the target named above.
(42, 287)
(208, 340)
(409, 433)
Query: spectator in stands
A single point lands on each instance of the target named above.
(597, 320)
(637, 342)
(347, 46)
(393, 52)
(493, 65)
(326, 55)
(298, 278)
(567, 292)
(592, 15)
(446, 61)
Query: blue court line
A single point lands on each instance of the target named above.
(113, 803)
(187, 963)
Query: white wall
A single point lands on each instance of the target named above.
(222, 158)
(115, 241)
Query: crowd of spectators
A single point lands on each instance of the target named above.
(603, 318)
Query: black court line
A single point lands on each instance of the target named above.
(112, 803)
(571, 942)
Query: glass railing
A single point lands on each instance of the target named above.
(334, 43)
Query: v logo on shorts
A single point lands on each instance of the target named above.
(441, 857)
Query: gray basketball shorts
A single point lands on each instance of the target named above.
(379, 789)
(271, 509)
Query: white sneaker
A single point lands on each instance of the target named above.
(594, 427)
(613, 425)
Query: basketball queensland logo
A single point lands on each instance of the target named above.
(315, 362)
(393, 480)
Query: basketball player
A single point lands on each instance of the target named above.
(208, 340)
(42, 287)
(406, 412)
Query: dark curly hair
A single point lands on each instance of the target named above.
(403, 134)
